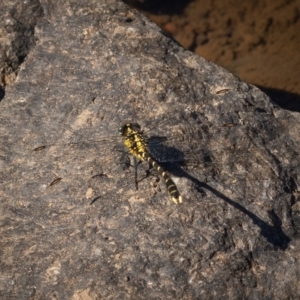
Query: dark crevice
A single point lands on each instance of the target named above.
(24, 16)
(2, 93)
(169, 7)
(284, 99)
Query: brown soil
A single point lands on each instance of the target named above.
(259, 41)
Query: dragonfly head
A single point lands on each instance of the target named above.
(129, 128)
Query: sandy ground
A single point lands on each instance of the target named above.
(259, 41)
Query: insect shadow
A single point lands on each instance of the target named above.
(273, 233)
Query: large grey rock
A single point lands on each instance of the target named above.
(96, 65)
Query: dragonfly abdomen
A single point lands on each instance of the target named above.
(171, 186)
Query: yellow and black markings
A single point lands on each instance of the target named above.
(136, 144)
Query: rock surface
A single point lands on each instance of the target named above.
(257, 41)
(95, 65)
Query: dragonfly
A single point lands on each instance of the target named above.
(167, 145)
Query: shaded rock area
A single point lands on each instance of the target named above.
(95, 65)
(17, 22)
(255, 40)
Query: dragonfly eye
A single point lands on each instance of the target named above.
(122, 130)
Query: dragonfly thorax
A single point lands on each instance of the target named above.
(134, 140)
